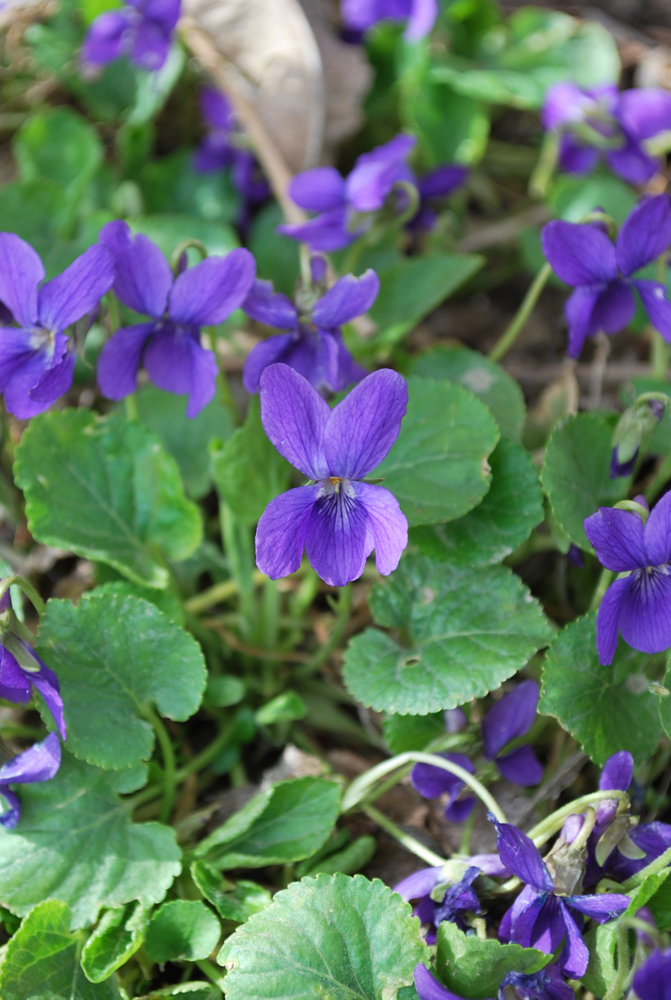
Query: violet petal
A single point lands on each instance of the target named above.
(617, 537)
(142, 275)
(510, 717)
(579, 308)
(608, 619)
(645, 234)
(580, 254)
(645, 111)
(521, 856)
(207, 293)
(522, 767)
(428, 987)
(387, 522)
(294, 417)
(318, 190)
(658, 307)
(120, 359)
(267, 352)
(76, 291)
(431, 781)
(348, 298)
(265, 305)
(657, 533)
(337, 541)
(645, 611)
(20, 273)
(280, 534)
(420, 883)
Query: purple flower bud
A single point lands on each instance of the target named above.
(576, 555)
(39, 763)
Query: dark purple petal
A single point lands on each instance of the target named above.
(550, 927)
(646, 233)
(268, 352)
(120, 359)
(46, 682)
(428, 987)
(348, 298)
(38, 763)
(10, 817)
(575, 157)
(142, 275)
(327, 232)
(574, 957)
(602, 908)
(548, 984)
(214, 153)
(336, 538)
(108, 36)
(315, 354)
(618, 468)
(510, 717)
(653, 838)
(431, 781)
(20, 273)
(422, 19)
(363, 427)
(216, 109)
(387, 523)
(54, 383)
(521, 856)
(375, 174)
(280, 534)
(527, 896)
(270, 307)
(76, 291)
(580, 254)
(318, 190)
(419, 884)
(151, 45)
(28, 375)
(653, 980)
(579, 308)
(164, 12)
(617, 772)
(657, 532)
(442, 182)
(614, 308)
(294, 417)
(523, 925)
(459, 810)
(645, 611)
(617, 537)
(645, 111)
(15, 349)
(14, 683)
(208, 293)
(608, 619)
(656, 304)
(176, 362)
(632, 163)
(522, 767)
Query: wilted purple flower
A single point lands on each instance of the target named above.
(507, 720)
(35, 363)
(541, 919)
(637, 604)
(346, 206)
(38, 763)
(548, 984)
(359, 15)
(169, 345)
(651, 981)
(603, 121)
(314, 345)
(458, 899)
(583, 256)
(342, 518)
(142, 30)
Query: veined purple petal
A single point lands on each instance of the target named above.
(120, 358)
(54, 383)
(645, 611)
(617, 537)
(327, 231)
(522, 767)
(262, 355)
(653, 980)
(28, 375)
(265, 305)
(614, 308)
(209, 292)
(419, 884)
(510, 717)
(549, 927)
(523, 925)
(422, 19)
(580, 254)
(216, 109)
(280, 534)
(632, 163)
(294, 416)
(521, 856)
(142, 275)
(14, 684)
(608, 619)
(336, 538)
(77, 290)
(348, 298)
(658, 307)
(574, 958)
(108, 36)
(579, 308)
(602, 907)
(645, 234)
(657, 532)
(318, 190)
(38, 763)
(527, 896)
(431, 781)
(46, 683)
(617, 772)
(387, 523)
(20, 273)
(15, 349)
(363, 427)
(176, 361)
(428, 987)
(644, 112)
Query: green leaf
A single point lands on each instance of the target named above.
(192, 990)
(286, 707)
(166, 601)
(473, 968)
(660, 905)
(484, 378)
(237, 902)
(466, 631)
(605, 709)
(42, 960)
(285, 823)
(510, 511)
(172, 184)
(182, 931)
(452, 127)
(186, 440)
(248, 471)
(58, 145)
(117, 937)
(104, 488)
(116, 658)
(276, 257)
(67, 826)
(576, 473)
(437, 469)
(168, 231)
(412, 732)
(333, 936)
(664, 700)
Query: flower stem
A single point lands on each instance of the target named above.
(655, 866)
(27, 589)
(404, 839)
(169, 766)
(217, 594)
(511, 333)
(659, 356)
(544, 830)
(131, 407)
(616, 988)
(342, 618)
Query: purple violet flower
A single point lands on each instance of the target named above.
(341, 518)
(548, 984)
(582, 255)
(433, 187)
(169, 345)
(142, 30)
(314, 345)
(621, 122)
(35, 363)
(651, 981)
(359, 15)
(38, 763)
(638, 603)
(541, 919)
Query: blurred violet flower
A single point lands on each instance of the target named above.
(541, 919)
(548, 984)
(604, 121)
(142, 30)
(651, 981)
(341, 518)
(313, 345)
(638, 603)
(38, 763)
(169, 345)
(508, 719)
(433, 187)
(582, 255)
(35, 363)
(634, 426)
(359, 15)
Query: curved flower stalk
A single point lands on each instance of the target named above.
(583, 255)
(169, 344)
(142, 30)
(38, 763)
(341, 518)
(36, 357)
(359, 15)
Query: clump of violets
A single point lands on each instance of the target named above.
(584, 256)
(338, 518)
(38, 763)
(547, 984)
(313, 344)
(168, 345)
(359, 15)
(37, 358)
(142, 31)
(508, 719)
(637, 545)
(601, 122)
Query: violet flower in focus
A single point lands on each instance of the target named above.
(582, 255)
(36, 364)
(651, 981)
(547, 984)
(638, 603)
(602, 121)
(341, 518)
(38, 763)
(359, 15)
(169, 344)
(142, 30)
(313, 345)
